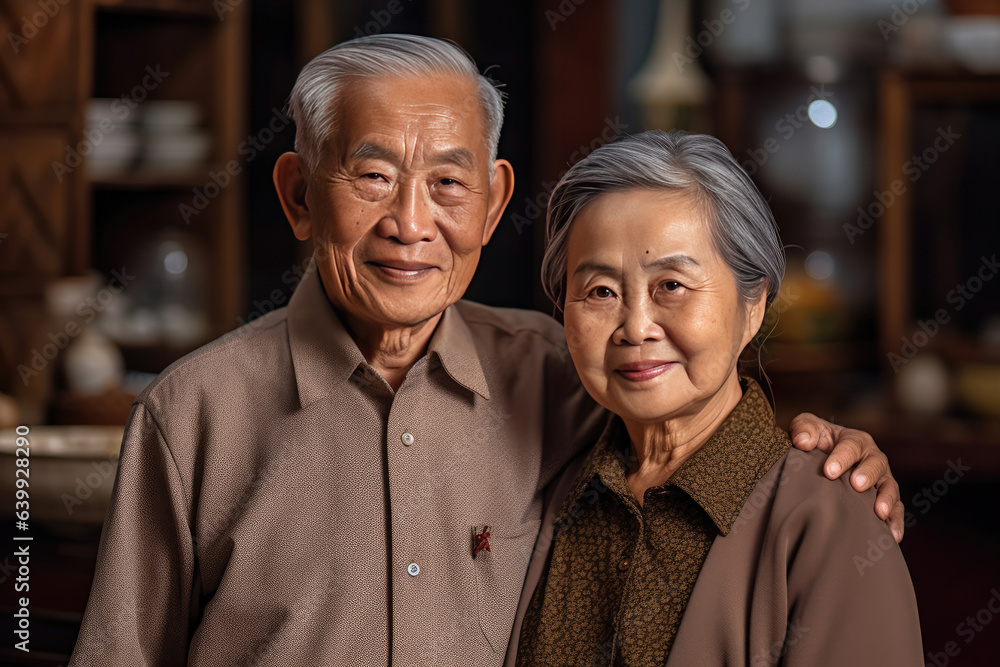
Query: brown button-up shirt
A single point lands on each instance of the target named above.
(278, 504)
(621, 573)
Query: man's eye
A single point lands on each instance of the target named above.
(672, 285)
(449, 181)
(372, 176)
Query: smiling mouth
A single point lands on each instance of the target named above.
(644, 370)
(402, 271)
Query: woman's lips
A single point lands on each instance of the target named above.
(643, 370)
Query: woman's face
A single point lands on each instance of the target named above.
(653, 319)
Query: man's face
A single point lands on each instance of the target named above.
(402, 202)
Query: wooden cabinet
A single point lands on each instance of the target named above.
(938, 131)
(60, 215)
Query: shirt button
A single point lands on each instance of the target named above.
(413, 569)
(407, 439)
(624, 563)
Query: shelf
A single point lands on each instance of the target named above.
(923, 446)
(781, 357)
(154, 179)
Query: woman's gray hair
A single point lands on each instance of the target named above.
(314, 97)
(742, 227)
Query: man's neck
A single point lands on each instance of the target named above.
(391, 350)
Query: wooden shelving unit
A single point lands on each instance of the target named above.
(57, 222)
(901, 92)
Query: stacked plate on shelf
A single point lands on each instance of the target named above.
(111, 141)
(172, 136)
(160, 137)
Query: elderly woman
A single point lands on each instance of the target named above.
(692, 534)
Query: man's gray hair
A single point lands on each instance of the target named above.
(313, 102)
(742, 227)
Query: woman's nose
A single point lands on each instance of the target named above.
(638, 325)
(411, 215)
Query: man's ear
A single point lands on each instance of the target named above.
(501, 190)
(290, 180)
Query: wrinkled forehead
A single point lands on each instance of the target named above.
(438, 107)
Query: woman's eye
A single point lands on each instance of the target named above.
(672, 285)
(602, 292)
(372, 176)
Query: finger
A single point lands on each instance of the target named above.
(872, 471)
(887, 497)
(806, 430)
(897, 521)
(848, 451)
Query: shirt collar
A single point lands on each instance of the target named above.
(325, 356)
(323, 353)
(719, 477)
(455, 347)
(722, 474)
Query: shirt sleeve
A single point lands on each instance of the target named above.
(850, 600)
(139, 611)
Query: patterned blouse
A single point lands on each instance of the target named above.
(621, 573)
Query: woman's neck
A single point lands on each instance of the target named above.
(659, 449)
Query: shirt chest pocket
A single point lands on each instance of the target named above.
(499, 578)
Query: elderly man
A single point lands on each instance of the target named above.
(358, 479)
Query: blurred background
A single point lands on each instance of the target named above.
(138, 221)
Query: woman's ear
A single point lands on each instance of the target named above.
(755, 310)
(291, 179)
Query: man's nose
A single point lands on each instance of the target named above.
(638, 324)
(411, 218)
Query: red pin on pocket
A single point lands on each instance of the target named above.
(481, 541)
